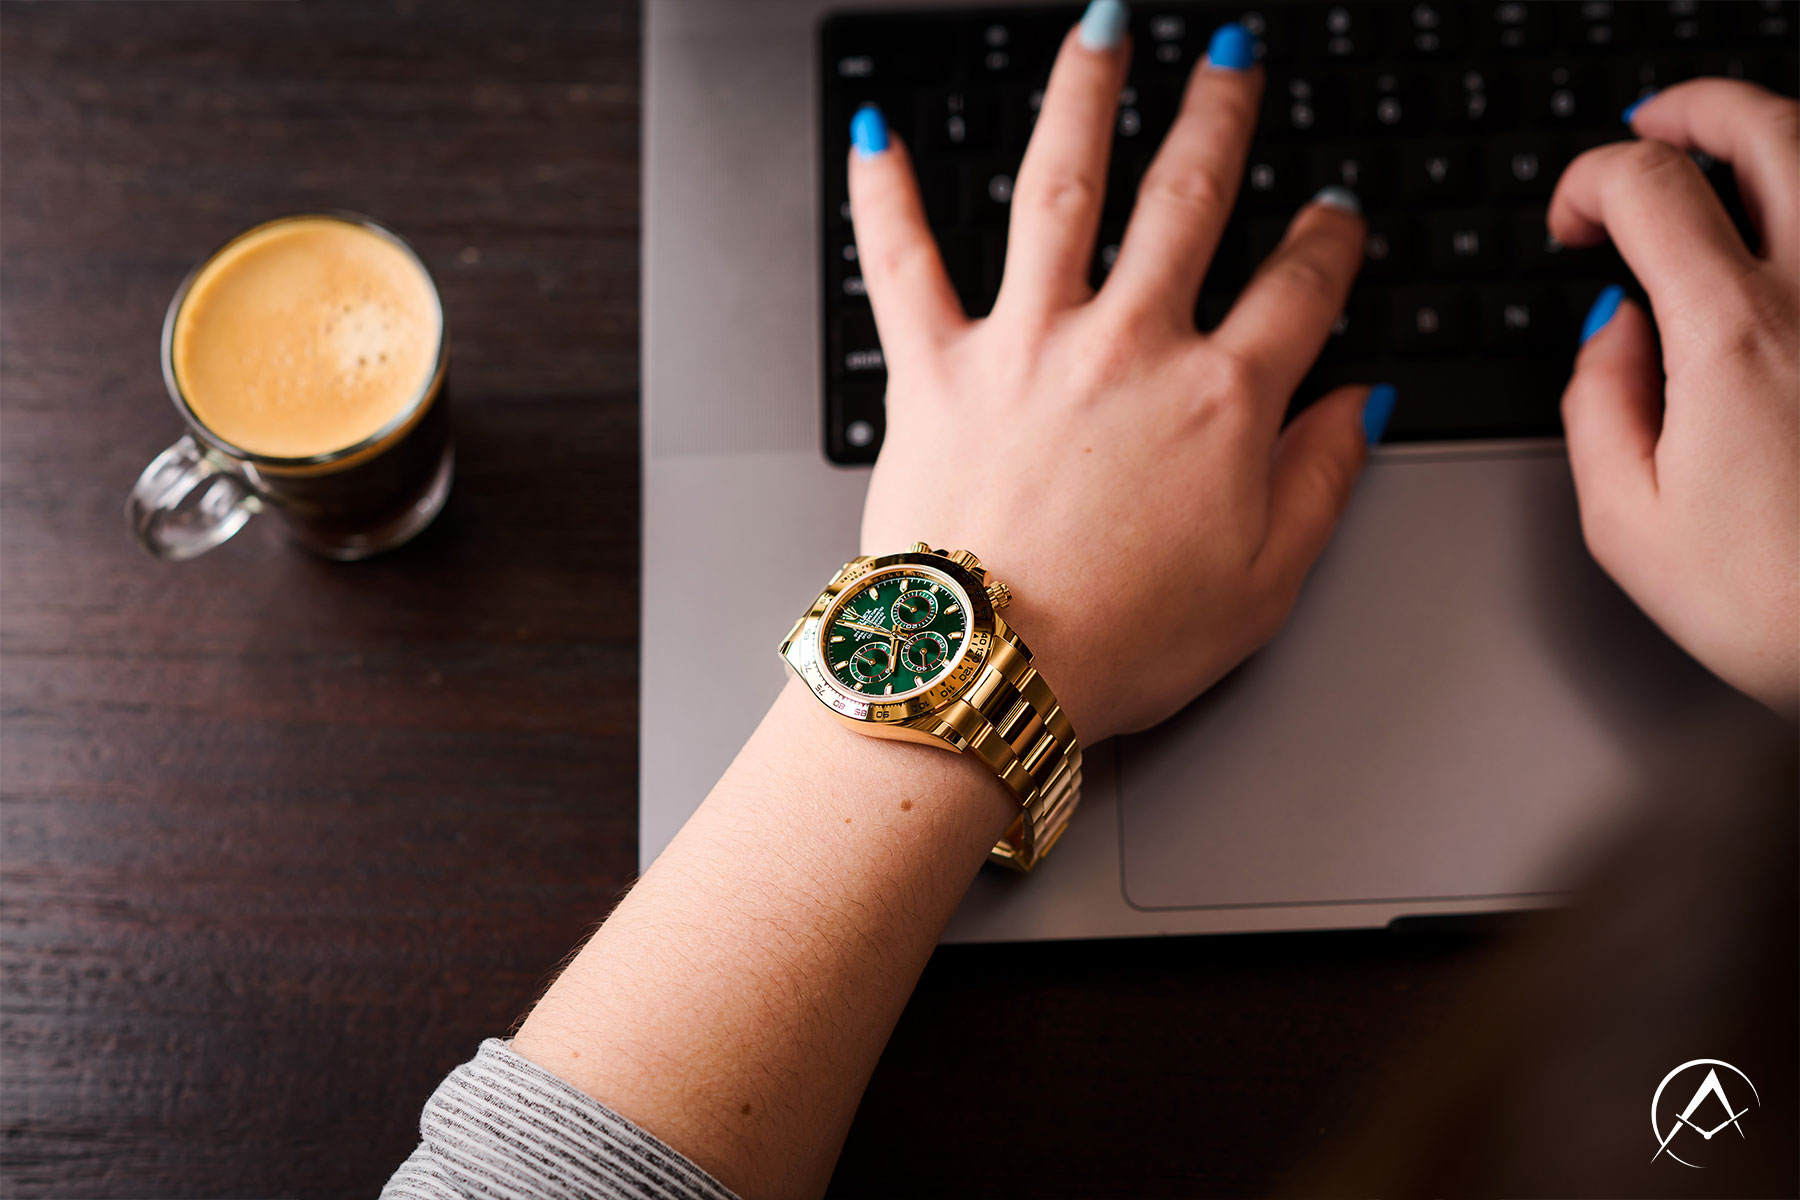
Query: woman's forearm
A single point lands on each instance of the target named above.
(736, 1001)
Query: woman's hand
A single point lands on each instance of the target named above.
(1688, 470)
(1126, 475)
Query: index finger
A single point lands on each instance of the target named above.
(1661, 214)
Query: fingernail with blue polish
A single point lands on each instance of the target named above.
(1340, 198)
(1103, 25)
(1632, 110)
(1232, 48)
(1376, 411)
(1605, 305)
(868, 131)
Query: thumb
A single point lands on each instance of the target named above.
(1317, 461)
(1612, 416)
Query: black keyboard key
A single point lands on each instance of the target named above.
(1464, 243)
(1430, 320)
(973, 262)
(855, 348)
(1524, 168)
(941, 191)
(1231, 263)
(1389, 102)
(1773, 21)
(1019, 108)
(1515, 28)
(1600, 25)
(1438, 172)
(878, 51)
(1360, 330)
(855, 420)
(1167, 43)
(1124, 175)
(1433, 30)
(1681, 23)
(1366, 168)
(988, 188)
(1388, 251)
(843, 274)
(1016, 46)
(1301, 105)
(1275, 28)
(1272, 181)
(1341, 31)
(1261, 237)
(1129, 124)
(1522, 317)
(1562, 94)
(1476, 101)
(956, 123)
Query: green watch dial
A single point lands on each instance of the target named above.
(898, 632)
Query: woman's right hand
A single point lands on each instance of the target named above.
(1688, 469)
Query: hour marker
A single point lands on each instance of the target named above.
(874, 594)
(953, 608)
(956, 633)
(838, 666)
(837, 637)
(859, 686)
(890, 690)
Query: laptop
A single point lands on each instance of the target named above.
(1461, 706)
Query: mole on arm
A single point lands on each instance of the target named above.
(906, 806)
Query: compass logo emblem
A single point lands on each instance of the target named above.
(1689, 1125)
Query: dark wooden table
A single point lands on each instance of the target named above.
(284, 840)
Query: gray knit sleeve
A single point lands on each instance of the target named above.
(501, 1126)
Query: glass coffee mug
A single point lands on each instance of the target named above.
(308, 359)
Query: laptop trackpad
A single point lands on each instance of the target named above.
(1457, 708)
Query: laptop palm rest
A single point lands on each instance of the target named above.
(1456, 709)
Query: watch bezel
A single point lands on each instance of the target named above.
(801, 649)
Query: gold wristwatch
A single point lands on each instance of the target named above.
(911, 647)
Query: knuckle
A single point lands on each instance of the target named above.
(1300, 271)
(1061, 194)
(1219, 391)
(1195, 188)
(1647, 161)
(901, 258)
(1783, 117)
(1113, 356)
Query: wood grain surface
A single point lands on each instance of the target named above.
(284, 839)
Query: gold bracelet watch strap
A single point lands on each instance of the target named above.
(1011, 721)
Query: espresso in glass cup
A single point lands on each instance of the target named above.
(308, 358)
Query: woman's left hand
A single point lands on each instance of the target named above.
(1127, 476)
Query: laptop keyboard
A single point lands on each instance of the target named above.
(1451, 121)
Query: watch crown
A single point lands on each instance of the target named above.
(918, 548)
(999, 594)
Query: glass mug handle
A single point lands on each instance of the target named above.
(186, 502)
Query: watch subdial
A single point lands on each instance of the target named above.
(923, 653)
(872, 663)
(915, 609)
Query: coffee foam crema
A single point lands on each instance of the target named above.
(305, 337)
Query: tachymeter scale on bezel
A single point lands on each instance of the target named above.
(897, 633)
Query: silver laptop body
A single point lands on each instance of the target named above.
(1457, 712)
